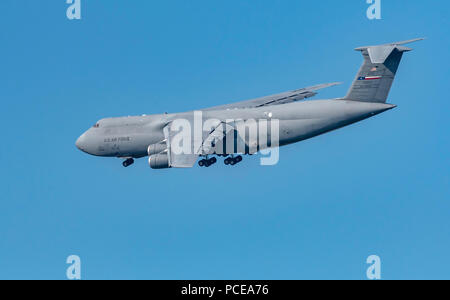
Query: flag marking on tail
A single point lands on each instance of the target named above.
(369, 78)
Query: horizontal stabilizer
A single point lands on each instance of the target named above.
(379, 53)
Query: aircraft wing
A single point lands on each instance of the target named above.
(277, 99)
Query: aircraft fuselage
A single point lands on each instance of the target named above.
(130, 137)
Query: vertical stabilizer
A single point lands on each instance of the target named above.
(376, 75)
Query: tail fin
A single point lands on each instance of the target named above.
(374, 79)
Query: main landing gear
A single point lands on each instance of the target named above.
(233, 160)
(128, 162)
(228, 161)
(207, 162)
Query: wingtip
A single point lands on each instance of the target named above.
(321, 86)
(332, 84)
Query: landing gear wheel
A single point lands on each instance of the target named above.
(207, 162)
(232, 162)
(227, 161)
(238, 159)
(128, 162)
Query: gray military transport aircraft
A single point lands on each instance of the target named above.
(154, 136)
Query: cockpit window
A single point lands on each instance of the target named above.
(97, 125)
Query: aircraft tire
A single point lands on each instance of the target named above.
(128, 162)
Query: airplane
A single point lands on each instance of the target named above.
(297, 119)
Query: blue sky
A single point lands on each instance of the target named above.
(378, 187)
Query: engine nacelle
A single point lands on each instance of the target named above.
(156, 148)
(159, 161)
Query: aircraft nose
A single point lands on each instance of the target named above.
(81, 142)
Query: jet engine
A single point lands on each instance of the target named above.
(159, 161)
(156, 148)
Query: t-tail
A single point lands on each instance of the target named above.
(376, 75)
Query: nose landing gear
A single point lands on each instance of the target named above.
(128, 162)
